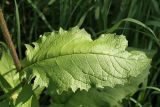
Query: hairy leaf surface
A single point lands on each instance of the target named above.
(106, 97)
(71, 59)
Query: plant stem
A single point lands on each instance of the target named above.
(7, 37)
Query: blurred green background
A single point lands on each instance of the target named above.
(27, 19)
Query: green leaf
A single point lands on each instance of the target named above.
(4, 84)
(149, 53)
(26, 98)
(71, 59)
(107, 97)
(8, 76)
(41, 81)
(6, 103)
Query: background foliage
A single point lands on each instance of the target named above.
(27, 19)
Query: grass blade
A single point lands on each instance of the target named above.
(41, 15)
(18, 29)
(116, 26)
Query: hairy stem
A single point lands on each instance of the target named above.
(7, 37)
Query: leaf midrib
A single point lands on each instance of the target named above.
(74, 54)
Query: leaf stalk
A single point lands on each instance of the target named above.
(7, 37)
